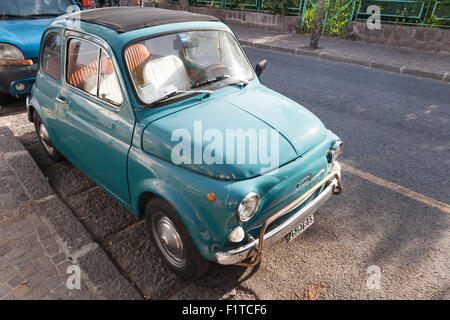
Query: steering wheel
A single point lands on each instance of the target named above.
(215, 70)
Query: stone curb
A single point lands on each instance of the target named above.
(100, 275)
(372, 64)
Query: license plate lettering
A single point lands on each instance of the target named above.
(298, 230)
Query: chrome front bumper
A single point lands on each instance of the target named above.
(254, 248)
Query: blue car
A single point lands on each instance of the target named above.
(164, 111)
(21, 26)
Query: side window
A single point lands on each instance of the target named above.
(89, 68)
(109, 88)
(82, 65)
(51, 56)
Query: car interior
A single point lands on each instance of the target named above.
(82, 71)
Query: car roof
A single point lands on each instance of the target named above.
(125, 19)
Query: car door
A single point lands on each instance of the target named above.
(48, 81)
(95, 119)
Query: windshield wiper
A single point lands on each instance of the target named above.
(45, 15)
(203, 83)
(207, 93)
(21, 16)
(243, 83)
(28, 16)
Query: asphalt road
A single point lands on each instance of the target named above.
(392, 216)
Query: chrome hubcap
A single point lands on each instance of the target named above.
(169, 240)
(45, 138)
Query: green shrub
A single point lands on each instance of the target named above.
(282, 7)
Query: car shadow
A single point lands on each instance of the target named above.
(221, 283)
(16, 106)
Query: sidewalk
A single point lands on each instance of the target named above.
(40, 238)
(393, 59)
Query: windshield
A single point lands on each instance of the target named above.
(33, 8)
(180, 62)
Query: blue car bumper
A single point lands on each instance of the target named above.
(12, 75)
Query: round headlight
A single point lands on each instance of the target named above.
(10, 53)
(20, 86)
(248, 206)
(335, 152)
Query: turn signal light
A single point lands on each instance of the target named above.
(237, 235)
(27, 62)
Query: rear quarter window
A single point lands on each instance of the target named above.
(51, 56)
(82, 65)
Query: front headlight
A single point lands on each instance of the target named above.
(248, 206)
(335, 152)
(11, 55)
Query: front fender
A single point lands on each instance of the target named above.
(198, 230)
(207, 222)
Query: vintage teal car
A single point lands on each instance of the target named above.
(164, 111)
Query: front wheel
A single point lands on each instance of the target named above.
(173, 242)
(44, 138)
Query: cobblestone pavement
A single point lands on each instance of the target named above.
(39, 236)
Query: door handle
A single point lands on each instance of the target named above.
(61, 100)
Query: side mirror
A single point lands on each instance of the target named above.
(260, 67)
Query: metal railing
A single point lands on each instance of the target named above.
(338, 13)
(410, 12)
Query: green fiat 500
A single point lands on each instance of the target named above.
(163, 110)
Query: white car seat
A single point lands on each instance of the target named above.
(163, 75)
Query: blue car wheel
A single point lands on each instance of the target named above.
(173, 241)
(45, 140)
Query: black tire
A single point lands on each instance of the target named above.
(5, 98)
(189, 264)
(44, 138)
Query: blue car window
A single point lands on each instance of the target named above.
(35, 7)
(82, 65)
(51, 56)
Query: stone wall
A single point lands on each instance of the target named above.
(245, 18)
(415, 37)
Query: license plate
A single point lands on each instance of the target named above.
(298, 230)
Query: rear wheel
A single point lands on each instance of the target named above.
(173, 242)
(4, 98)
(45, 140)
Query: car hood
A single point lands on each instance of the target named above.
(284, 130)
(296, 123)
(25, 34)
